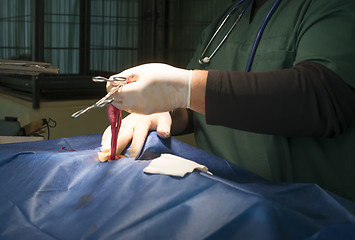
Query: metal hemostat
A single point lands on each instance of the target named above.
(107, 99)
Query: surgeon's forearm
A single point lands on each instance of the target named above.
(198, 91)
(306, 100)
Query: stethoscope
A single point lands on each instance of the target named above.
(205, 60)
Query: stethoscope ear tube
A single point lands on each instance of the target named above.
(205, 60)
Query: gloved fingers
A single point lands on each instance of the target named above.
(156, 98)
(164, 125)
(139, 135)
(132, 99)
(135, 128)
(161, 122)
(125, 135)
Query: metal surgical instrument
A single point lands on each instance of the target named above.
(114, 79)
(107, 99)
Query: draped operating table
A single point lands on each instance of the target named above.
(58, 189)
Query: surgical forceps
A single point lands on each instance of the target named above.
(107, 99)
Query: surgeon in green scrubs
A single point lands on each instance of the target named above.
(289, 118)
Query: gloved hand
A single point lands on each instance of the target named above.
(159, 88)
(135, 128)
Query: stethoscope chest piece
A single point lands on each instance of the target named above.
(205, 60)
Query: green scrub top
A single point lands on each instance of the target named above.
(321, 31)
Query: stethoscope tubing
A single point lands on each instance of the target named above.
(230, 30)
(221, 25)
(257, 38)
(259, 34)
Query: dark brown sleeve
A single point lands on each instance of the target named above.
(306, 100)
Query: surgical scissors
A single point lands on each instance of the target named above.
(107, 99)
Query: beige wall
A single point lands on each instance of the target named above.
(92, 122)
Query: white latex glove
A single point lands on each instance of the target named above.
(159, 88)
(135, 128)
